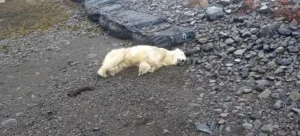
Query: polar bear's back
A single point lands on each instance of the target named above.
(138, 53)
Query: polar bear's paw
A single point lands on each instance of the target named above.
(111, 71)
(144, 67)
(102, 72)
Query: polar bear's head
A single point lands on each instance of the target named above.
(178, 57)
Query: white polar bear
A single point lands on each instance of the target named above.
(147, 58)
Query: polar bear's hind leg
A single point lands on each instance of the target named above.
(111, 61)
(144, 67)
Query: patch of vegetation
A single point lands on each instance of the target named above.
(21, 17)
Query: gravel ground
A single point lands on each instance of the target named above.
(243, 79)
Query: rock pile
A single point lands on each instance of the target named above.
(245, 64)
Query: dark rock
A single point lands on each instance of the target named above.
(264, 9)
(207, 47)
(285, 31)
(8, 121)
(202, 40)
(284, 62)
(202, 127)
(265, 31)
(254, 30)
(224, 2)
(261, 85)
(229, 41)
(296, 34)
(280, 50)
(278, 105)
(293, 49)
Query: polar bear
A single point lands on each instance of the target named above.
(146, 57)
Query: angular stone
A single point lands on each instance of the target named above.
(285, 31)
(267, 128)
(265, 94)
(8, 121)
(213, 13)
(294, 96)
(239, 52)
(293, 49)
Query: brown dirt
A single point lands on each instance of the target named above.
(18, 17)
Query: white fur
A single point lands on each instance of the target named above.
(147, 58)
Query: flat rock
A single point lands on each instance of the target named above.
(267, 128)
(8, 121)
(294, 96)
(239, 52)
(213, 13)
(285, 31)
(265, 94)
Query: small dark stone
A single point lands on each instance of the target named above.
(285, 31)
(207, 47)
(293, 49)
(284, 62)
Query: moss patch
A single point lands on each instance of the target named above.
(18, 17)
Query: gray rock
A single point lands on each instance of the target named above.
(272, 64)
(264, 9)
(202, 127)
(296, 110)
(221, 121)
(202, 40)
(254, 30)
(245, 72)
(275, 95)
(280, 49)
(224, 2)
(273, 46)
(247, 90)
(265, 30)
(279, 70)
(207, 47)
(92, 55)
(8, 121)
(296, 34)
(265, 94)
(193, 105)
(293, 49)
(239, 52)
(261, 85)
(229, 41)
(284, 62)
(278, 105)
(296, 1)
(247, 126)
(294, 96)
(189, 13)
(257, 123)
(267, 128)
(237, 39)
(231, 49)
(223, 34)
(213, 13)
(246, 33)
(285, 31)
(266, 47)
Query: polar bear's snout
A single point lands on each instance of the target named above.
(180, 62)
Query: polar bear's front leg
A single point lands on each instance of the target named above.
(155, 68)
(117, 69)
(144, 67)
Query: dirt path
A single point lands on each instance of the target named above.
(37, 73)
